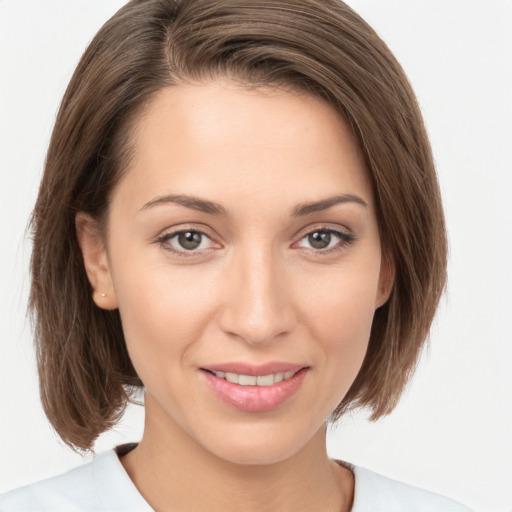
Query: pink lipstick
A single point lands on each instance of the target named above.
(254, 388)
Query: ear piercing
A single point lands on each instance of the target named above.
(101, 294)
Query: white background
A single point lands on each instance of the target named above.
(452, 432)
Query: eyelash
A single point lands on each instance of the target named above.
(345, 240)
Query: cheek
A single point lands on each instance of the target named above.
(340, 317)
(163, 311)
(343, 300)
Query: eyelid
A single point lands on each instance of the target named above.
(312, 228)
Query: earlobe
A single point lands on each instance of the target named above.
(95, 261)
(386, 281)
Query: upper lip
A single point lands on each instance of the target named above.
(243, 368)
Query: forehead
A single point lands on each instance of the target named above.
(223, 138)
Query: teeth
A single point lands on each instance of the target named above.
(265, 380)
(253, 380)
(232, 377)
(247, 380)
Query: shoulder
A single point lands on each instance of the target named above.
(101, 484)
(377, 493)
(70, 491)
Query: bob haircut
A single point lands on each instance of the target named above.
(321, 47)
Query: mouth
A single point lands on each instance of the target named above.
(254, 380)
(255, 389)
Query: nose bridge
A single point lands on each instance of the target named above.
(257, 306)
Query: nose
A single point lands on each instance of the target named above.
(258, 305)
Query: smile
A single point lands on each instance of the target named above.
(255, 380)
(255, 389)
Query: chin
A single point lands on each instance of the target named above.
(262, 444)
(262, 454)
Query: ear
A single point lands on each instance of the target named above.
(386, 281)
(96, 262)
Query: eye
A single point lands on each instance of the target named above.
(325, 240)
(186, 241)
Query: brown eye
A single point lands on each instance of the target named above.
(326, 240)
(189, 240)
(319, 239)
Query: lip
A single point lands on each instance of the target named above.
(254, 398)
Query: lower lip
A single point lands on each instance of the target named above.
(255, 398)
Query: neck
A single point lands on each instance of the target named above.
(170, 468)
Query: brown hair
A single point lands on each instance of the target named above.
(319, 46)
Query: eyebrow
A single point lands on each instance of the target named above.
(195, 203)
(212, 208)
(325, 204)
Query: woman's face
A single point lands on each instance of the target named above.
(243, 253)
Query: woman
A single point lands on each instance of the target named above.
(240, 213)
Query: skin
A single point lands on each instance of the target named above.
(256, 290)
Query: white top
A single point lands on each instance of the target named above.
(103, 484)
